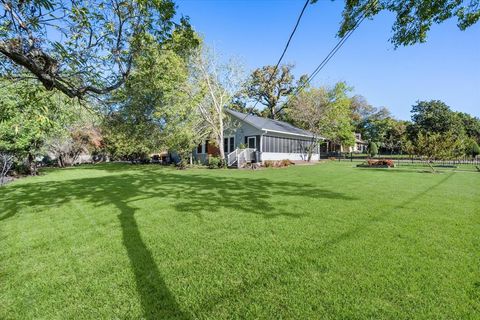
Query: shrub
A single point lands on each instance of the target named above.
(144, 160)
(242, 146)
(268, 163)
(182, 164)
(381, 163)
(21, 168)
(285, 163)
(372, 149)
(474, 149)
(47, 162)
(214, 162)
(277, 164)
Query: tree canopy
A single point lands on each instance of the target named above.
(85, 47)
(154, 98)
(325, 112)
(413, 18)
(30, 117)
(270, 86)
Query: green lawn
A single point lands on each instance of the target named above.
(328, 241)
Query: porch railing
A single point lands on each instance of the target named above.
(244, 156)
(232, 157)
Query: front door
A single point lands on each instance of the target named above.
(252, 142)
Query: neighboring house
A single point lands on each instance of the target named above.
(262, 138)
(360, 146)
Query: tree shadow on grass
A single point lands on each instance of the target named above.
(265, 277)
(156, 299)
(188, 193)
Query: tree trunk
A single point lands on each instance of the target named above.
(221, 150)
(31, 165)
(310, 150)
(273, 114)
(220, 140)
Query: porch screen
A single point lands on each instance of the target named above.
(285, 145)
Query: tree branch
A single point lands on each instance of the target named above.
(46, 71)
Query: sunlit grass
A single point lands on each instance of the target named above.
(328, 241)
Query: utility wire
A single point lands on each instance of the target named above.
(332, 52)
(284, 51)
(289, 39)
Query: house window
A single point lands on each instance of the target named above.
(252, 143)
(200, 148)
(232, 144)
(229, 144)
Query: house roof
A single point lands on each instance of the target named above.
(270, 124)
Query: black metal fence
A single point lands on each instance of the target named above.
(400, 159)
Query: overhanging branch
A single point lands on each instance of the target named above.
(45, 68)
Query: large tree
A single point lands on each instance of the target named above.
(152, 99)
(471, 125)
(361, 110)
(218, 82)
(436, 117)
(271, 86)
(414, 18)
(87, 46)
(325, 112)
(82, 137)
(438, 146)
(395, 135)
(29, 116)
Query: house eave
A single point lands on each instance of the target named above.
(291, 133)
(244, 119)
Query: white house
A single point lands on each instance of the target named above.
(258, 139)
(360, 145)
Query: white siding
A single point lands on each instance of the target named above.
(243, 130)
(290, 156)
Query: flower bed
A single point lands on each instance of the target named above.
(278, 163)
(378, 164)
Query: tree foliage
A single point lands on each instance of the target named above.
(270, 87)
(471, 125)
(438, 146)
(85, 47)
(6, 163)
(435, 116)
(30, 117)
(473, 149)
(372, 149)
(81, 138)
(325, 112)
(154, 111)
(413, 18)
(218, 82)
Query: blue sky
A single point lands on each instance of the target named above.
(447, 67)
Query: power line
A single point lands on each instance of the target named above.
(332, 52)
(290, 38)
(284, 50)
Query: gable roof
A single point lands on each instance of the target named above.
(271, 125)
